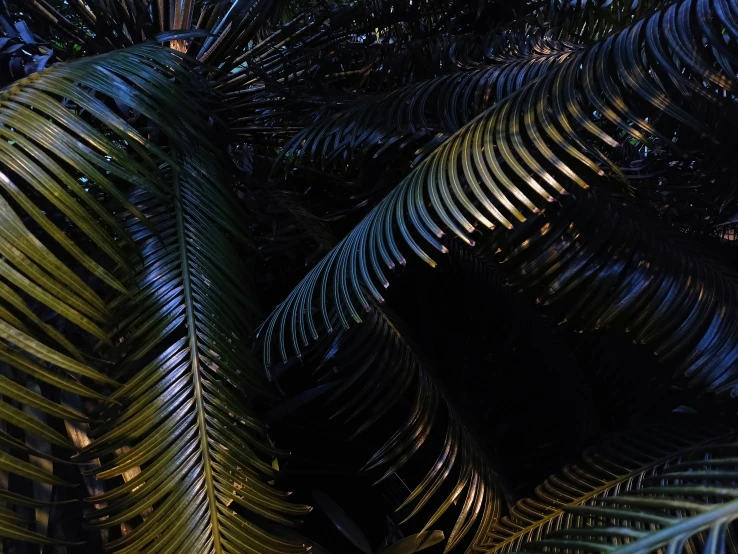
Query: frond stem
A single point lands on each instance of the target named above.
(195, 364)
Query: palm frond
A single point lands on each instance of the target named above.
(375, 46)
(512, 160)
(183, 414)
(690, 505)
(180, 326)
(374, 367)
(583, 253)
(623, 465)
(426, 112)
(66, 158)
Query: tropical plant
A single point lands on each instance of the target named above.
(172, 171)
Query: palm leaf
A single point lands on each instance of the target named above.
(61, 182)
(622, 465)
(688, 506)
(183, 415)
(372, 367)
(352, 51)
(310, 50)
(419, 111)
(578, 259)
(514, 159)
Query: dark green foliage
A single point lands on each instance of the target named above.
(172, 171)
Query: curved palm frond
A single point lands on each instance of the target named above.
(264, 99)
(622, 465)
(607, 266)
(317, 51)
(183, 414)
(374, 367)
(691, 504)
(420, 111)
(66, 159)
(518, 156)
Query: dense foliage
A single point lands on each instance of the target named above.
(324, 276)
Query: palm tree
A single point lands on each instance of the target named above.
(172, 171)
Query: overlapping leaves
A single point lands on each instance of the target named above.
(20, 52)
(688, 506)
(183, 415)
(62, 181)
(547, 140)
(427, 111)
(589, 20)
(604, 265)
(352, 121)
(338, 51)
(374, 367)
(622, 466)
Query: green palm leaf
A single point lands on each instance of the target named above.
(623, 465)
(61, 183)
(180, 325)
(183, 414)
(690, 505)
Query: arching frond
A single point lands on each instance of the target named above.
(607, 266)
(357, 47)
(427, 111)
(514, 159)
(66, 161)
(623, 465)
(691, 505)
(375, 367)
(274, 96)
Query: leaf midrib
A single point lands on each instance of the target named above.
(195, 366)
